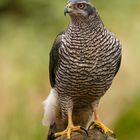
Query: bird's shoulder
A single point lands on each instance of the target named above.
(57, 41)
(54, 58)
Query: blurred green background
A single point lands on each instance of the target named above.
(27, 31)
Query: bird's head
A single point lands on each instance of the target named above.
(79, 8)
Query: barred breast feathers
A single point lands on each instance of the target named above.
(88, 58)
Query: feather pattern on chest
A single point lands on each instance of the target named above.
(88, 58)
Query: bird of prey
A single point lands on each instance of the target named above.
(83, 63)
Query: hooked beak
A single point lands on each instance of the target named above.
(68, 9)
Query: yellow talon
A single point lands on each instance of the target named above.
(70, 128)
(103, 127)
(60, 133)
(99, 124)
(68, 131)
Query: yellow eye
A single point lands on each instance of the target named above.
(81, 6)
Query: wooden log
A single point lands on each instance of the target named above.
(93, 134)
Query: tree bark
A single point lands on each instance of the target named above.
(93, 134)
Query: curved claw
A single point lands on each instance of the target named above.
(82, 128)
(52, 136)
(92, 123)
(108, 133)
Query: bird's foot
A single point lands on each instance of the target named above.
(69, 130)
(101, 126)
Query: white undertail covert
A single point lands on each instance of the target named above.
(50, 108)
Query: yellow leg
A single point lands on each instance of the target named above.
(99, 124)
(70, 128)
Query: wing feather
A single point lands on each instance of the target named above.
(54, 58)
